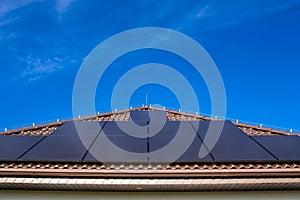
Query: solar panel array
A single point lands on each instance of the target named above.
(148, 137)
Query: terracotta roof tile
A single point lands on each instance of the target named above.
(183, 167)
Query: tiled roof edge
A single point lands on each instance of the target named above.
(194, 116)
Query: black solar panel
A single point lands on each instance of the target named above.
(233, 145)
(65, 144)
(13, 146)
(192, 153)
(175, 142)
(118, 149)
(83, 127)
(149, 116)
(284, 148)
(139, 115)
(119, 142)
(125, 128)
(157, 116)
(162, 133)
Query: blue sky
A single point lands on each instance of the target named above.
(255, 45)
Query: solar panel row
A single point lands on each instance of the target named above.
(150, 141)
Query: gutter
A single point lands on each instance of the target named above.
(214, 173)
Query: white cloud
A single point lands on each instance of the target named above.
(37, 68)
(8, 21)
(7, 6)
(10, 5)
(223, 13)
(62, 5)
(203, 11)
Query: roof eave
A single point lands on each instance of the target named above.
(216, 173)
(150, 184)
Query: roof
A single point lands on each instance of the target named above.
(229, 175)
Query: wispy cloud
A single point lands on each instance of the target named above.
(216, 14)
(8, 5)
(8, 20)
(37, 68)
(62, 6)
(203, 11)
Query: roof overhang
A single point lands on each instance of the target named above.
(97, 178)
(107, 173)
(147, 184)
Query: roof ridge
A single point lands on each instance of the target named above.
(143, 107)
